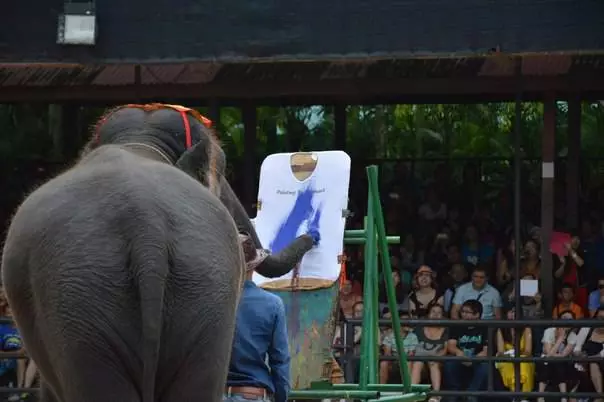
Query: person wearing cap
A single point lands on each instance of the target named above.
(259, 367)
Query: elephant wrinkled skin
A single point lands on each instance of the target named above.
(97, 253)
(124, 272)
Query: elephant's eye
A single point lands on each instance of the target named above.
(202, 177)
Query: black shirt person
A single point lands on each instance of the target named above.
(470, 342)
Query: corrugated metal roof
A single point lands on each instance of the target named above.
(40, 75)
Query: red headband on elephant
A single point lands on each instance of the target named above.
(156, 106)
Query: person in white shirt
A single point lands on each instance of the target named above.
(557, 342)
(590, 343)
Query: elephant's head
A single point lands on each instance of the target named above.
(276, 264)
(168, 129)
(185, 139)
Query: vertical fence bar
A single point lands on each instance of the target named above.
(491, 350)
(517, 223)
(378, 218)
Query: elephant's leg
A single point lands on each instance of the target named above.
(18, 285)
(87, 368)
(46, 394)
(82, 349)
(199, 374)
(94, 378)
(201, 302)
(100, 359)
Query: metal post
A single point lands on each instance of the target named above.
(490, 349)
(548, 155)
(517, 223)
(350, 360)
(378, 219)
(375, 312)
(367, 355)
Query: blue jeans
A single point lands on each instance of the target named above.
(241, 398)
(455, 374)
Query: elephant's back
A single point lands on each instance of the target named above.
(111, 187)
(69, 247)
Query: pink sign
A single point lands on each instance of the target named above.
(558, 243)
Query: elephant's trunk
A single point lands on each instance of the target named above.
(276, 264)
(284, 261)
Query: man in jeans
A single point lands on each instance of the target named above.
(259, 368)
(467, 341)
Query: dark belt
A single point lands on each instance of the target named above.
(248, 392)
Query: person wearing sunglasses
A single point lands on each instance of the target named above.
(596, 298)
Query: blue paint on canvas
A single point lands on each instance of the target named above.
(302, 211)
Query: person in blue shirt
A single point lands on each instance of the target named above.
(260, 359)
(10, 341)
(596, 298)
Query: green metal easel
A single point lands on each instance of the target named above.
(373, 236)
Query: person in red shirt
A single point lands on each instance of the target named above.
(572, 271)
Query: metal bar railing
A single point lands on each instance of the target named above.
(493, 323)
(486, 359)
(490, 358)
(499, 394)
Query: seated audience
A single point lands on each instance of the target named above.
(473, 251)
(558, 342)
(596, 298)
(468, 341)
(506, 339)
(432, 341)
(572, 271)
(425, 293)
(531, 260)
(400, 292)
(348, 299)
(590, 343)
(478, 289)
(389, 347)
(458, 275)
(532, 306)
(10, 341)
(566, 303)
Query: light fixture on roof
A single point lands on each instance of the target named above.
(77, 24)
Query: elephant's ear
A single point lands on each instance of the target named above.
(192, 160)
(200, 162)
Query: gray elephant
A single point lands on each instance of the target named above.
(124, 272)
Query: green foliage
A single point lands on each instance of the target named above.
(452, 131)
(22, 132)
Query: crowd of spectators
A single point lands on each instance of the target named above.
(457, 260)
(14, 372)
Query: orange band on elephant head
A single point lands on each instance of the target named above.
(183, 110)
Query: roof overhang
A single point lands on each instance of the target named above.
(485, 78)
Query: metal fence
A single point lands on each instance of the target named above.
(349, 359)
